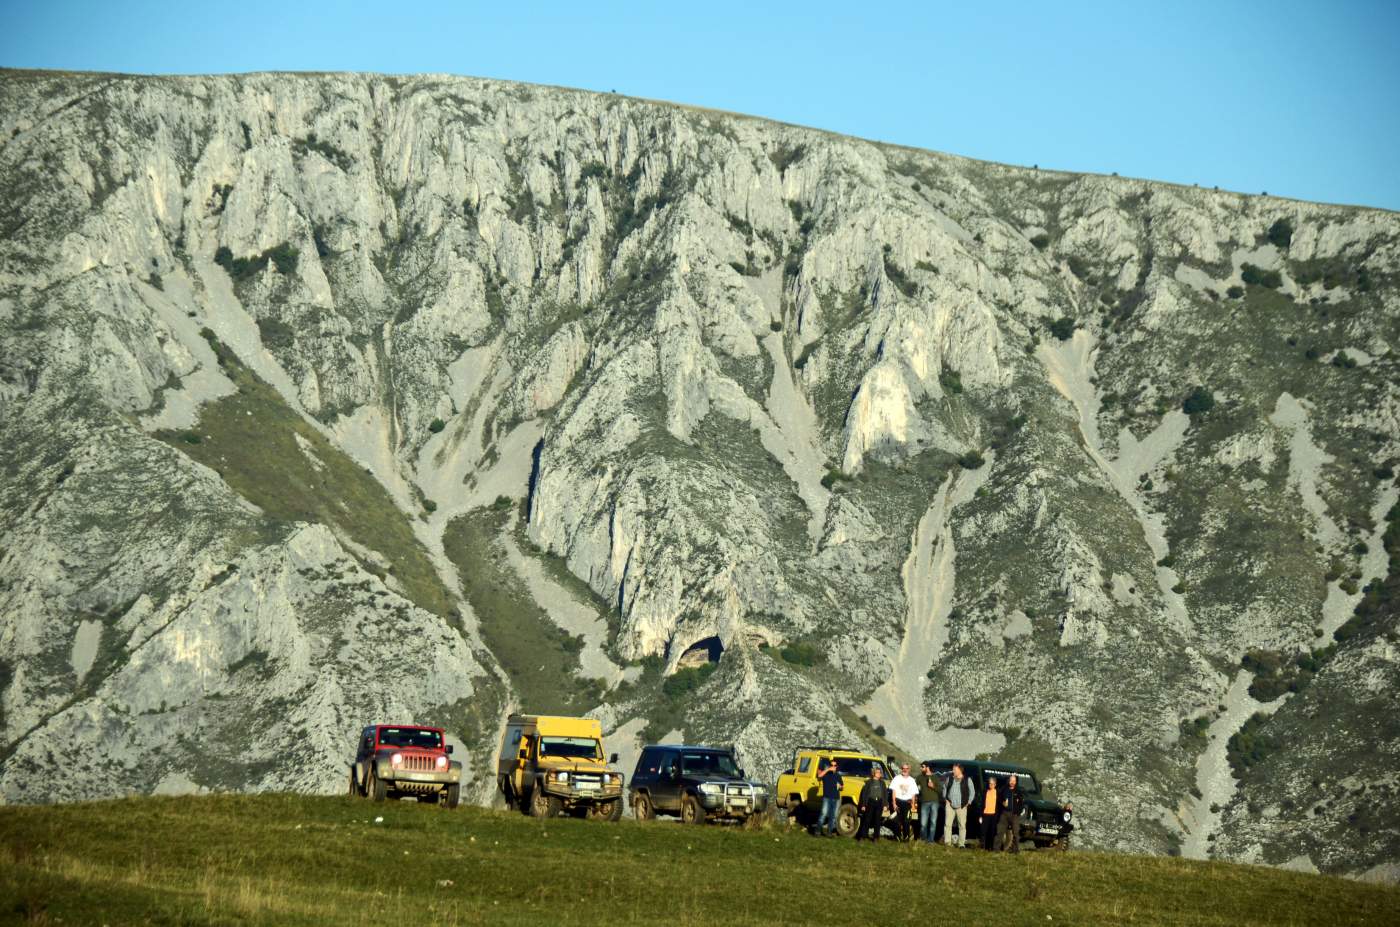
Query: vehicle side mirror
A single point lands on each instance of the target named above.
(743, 774)
(449, 748)
(612, 758)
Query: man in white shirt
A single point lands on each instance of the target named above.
(906, 794)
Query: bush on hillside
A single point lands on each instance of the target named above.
(1281, 233)
(1258, 276)
(1199, 401)
(1063, 328)
(972, 460)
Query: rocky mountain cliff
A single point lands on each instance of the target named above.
(329, 399)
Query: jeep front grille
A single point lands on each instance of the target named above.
(418, 762)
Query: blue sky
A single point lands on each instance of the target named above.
(1299, 99)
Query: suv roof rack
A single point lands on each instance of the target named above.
(828, 747)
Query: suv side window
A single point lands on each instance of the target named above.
(804, 765)
(649, 764)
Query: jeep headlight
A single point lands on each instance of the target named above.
(1066, 816)
(559, 776)
(711, 788)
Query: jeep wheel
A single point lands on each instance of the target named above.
(544, 806)
(605, 810)
(847, 820)
(691, 812)
(378, 789)
(452, 795)
(642, 808)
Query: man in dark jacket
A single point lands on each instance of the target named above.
(874, 795)
(1009, 820)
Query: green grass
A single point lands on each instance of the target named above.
(250, 439)
(283, 859)
(539, 656)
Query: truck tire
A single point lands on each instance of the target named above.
(378, 789)
(847, 820)
(543, 805)
(642, 808)
(452, 795)
(606, 810)
(691, 812)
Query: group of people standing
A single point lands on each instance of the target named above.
(914, 802)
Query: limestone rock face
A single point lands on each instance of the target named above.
(338, 399)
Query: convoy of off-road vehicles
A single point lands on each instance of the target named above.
(550, 766)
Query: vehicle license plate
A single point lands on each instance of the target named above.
(587, 786)
(1048, 829)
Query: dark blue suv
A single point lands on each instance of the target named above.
(696, 784)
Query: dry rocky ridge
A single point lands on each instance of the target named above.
(329, 399)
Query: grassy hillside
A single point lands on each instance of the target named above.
(282, 859)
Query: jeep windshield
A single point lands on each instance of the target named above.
(709, 764)
(856, 766)
(585, 747)
(409, 737)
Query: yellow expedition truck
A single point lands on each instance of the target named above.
(551, 765)
(799, 790)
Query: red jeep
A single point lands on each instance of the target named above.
(399, 760)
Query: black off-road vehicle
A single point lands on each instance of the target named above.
(1044, 820)
(696, 784)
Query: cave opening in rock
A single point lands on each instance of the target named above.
(701, 652)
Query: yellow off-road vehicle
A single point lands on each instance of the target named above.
(799, 789)
(549, 766)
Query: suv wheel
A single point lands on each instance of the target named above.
(378, 789)
(691, 813)
(452, 797)
(605, 810)
(642, 808)
(544, 806)
(847, 820)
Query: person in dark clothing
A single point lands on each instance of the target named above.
(874, 795)
(930, 797)
(1009, 820)
(831, 782)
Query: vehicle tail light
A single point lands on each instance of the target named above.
(396, 759)
(442, 762)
